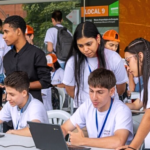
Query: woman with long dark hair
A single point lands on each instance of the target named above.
(137, 56)
(87, 54)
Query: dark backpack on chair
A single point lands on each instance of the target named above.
(55, 98)
(63, 45)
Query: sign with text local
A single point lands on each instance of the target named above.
(103, 13)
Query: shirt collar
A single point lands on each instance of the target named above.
(26, 105)
(22, 49)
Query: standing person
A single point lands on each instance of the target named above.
(87, 54)
(3, 50)
(137, 56)
(29, 34)
(111, 40)
(51, 34)
(24, 56)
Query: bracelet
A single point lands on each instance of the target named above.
(131, 148)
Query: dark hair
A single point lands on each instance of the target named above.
(1, 23)
(16, 22)
(18, 80)
(88, 30)
(105, 41)
(136, 46)
(56, 65)
(102, 78)
(57, 15)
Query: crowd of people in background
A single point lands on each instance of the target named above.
(93, 74)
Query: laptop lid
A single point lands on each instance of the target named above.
(47, 136)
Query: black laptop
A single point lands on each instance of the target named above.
(50, 137)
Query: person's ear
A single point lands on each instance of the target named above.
(140, 55)
(98, 38)
(24, 93)
(61, 21)
(32, 36)
(112, 91)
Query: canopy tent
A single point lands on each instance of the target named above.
(5, 2)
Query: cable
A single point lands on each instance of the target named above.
(17, 145)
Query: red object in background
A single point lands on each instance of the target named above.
(132, 100)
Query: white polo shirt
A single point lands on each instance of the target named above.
(34, 111)
(51, 36)
(57, 76)
(113, 62)
(120, 117)
(3, 50)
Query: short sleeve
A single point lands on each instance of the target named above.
(38, 113)
(123, 120)
(116, 64)
(49, 37)
(5, 114)
(120, 73)
(79, 117)
(69, 78)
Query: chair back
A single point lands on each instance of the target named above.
(62, 96)
(58, 116)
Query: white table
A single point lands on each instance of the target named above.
(10, 139)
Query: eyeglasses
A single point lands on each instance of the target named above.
(126, 60)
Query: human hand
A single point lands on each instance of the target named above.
(126, 147)
(10, 132)
(76, 138)
(2, 85)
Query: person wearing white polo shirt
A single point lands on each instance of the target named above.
(108, 121)
(51, 34)
(21, 106)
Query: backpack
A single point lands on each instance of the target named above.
(55, 98)
(63, 45)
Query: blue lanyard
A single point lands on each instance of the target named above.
(99, 135)
(88, 65)
(54, 74)
(21, 111)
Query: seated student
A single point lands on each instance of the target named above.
(21, 106)
(108, 121)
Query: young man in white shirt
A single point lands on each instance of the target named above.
(108, 121)
(51, 34)
(21, 106)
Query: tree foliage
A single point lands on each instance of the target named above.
(39, 17)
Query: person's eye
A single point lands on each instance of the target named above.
(91, 91)
(81, 46)
(100, 92)
(89, 44)
(111, 45)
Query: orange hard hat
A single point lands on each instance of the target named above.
(51, 59)
(111, 35)
(29, 30)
